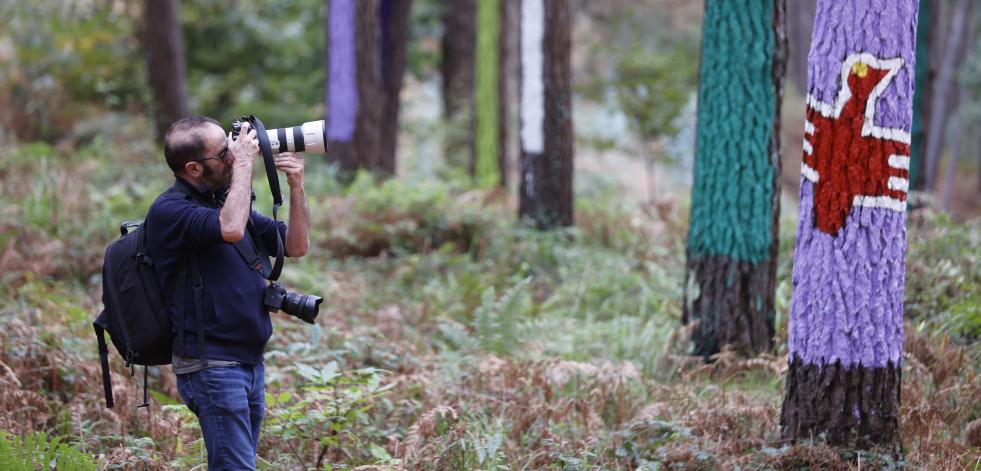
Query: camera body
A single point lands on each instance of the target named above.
(305, 307)
(307, 137)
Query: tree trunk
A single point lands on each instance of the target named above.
(342, 85)
(508, 73)
(945, 86)
(954, 150)
(371, 91)
(800, 15)
(366, 54)
(957, 133)
(546, 113)
(487, 65)
(846, 315)
(459, 48)
(165, 58)
(730, 277)
(921, 99)
(395, 40)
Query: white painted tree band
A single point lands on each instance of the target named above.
(533, 76)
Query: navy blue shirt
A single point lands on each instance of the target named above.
(236, 325)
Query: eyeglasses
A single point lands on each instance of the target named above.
(221, 156)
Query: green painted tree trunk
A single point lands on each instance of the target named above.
(732, 242)
(487, 63)
(921, 98)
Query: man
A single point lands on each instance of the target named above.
(220, 375)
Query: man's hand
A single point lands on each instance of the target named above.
(244, 149)
(234, 214)
(292, 165)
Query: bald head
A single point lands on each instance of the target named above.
(187, 140)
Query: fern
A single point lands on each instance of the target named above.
(35, 452)
(497, 321)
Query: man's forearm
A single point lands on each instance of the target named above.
(298, 228)
(235, 213)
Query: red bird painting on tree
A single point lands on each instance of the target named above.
(851, 161)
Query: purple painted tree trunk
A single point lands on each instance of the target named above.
(342, 85)
(366, 55)
(846, 314)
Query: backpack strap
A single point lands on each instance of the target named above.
(179, 290)
(198, 308)
(198, 287)
(104, 358)
(146, 390)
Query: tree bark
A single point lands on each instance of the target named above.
(366, 55)
(921, 98)
(165, 60)
(371, 91)
(508, 72)
(546, 154)
(845, 331)
(945, 86)
(395, 39)
(800, 16)
(342, 85)
(459, 47)
(730, 277)
(487, 99)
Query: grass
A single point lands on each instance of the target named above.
(451, 336)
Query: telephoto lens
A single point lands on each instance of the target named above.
(307, 137)
(305, 307)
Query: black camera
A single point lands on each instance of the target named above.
(304, 307)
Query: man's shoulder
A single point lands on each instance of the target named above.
(169, 200)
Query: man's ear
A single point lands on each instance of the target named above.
(194, 169)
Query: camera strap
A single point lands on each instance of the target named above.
(267, 157)
(256, 256)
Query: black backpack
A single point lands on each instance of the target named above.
(136, 314)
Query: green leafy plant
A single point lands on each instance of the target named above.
(35, 452)
(329, 415)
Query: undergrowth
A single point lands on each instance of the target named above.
(451, 336)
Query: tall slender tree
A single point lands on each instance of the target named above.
(366, 56)
(800, 24)
(732, 241)
(476, 93)
(846, 314)
(165, 60)
(921, 97)
(546, 113)
(459, 54)
(394, 43)
(487, 64)
(507, 84)
(343, 102)
(944, 91)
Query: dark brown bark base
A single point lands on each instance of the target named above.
(733, 304)
(856, 407)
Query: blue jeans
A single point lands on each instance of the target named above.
(229, 403)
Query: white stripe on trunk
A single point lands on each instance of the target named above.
(532, 76)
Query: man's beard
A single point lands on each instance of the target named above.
(215, 180)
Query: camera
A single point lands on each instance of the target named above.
(307, 137)
(302, 306)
